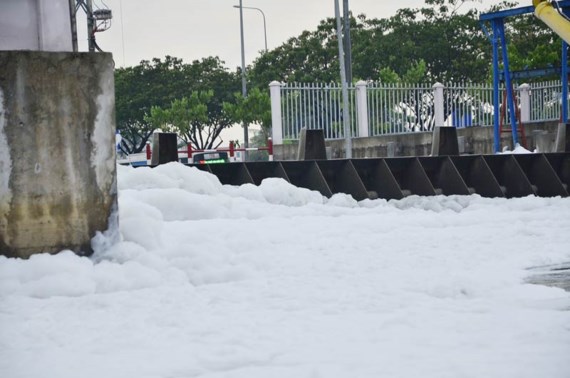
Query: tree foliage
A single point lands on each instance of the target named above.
(189, 118)
(254, 108)
(160, 82)
(443, 34)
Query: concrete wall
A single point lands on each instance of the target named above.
(472, 140)
(57, 151)
(35, 25)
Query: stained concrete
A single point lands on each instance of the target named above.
(57, 152)
(475, 140)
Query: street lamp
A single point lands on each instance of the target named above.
(264, 24)
(243, 73)
(243, 81)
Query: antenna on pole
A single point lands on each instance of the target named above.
(98, 20)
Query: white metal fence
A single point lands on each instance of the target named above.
(315, 106)
(378, 108)
(546, 100)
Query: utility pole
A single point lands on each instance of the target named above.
(347, 42)
(73, 22)
(345, 112)
(243, 80)
(90, 25)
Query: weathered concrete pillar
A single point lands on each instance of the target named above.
(57, 155)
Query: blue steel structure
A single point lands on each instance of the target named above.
(498, 39)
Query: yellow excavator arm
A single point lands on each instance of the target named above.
(544, 10)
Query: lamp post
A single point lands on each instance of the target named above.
(243, 81)
(264, 24)
(243, 73)
(341, 57)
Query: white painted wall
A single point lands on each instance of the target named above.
(35, 25)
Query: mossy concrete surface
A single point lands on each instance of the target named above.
(57, 151)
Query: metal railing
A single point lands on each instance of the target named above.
(546, 100)
(468, 104)
(378, 108)
(399, 108)
(315, 106)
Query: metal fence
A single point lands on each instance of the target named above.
(468, 104)
(546, 100)
(399, 108)
(315, 106)
(404, 108)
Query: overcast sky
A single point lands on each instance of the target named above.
(193, 29)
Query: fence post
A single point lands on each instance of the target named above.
(439, 116)
(524, 93)
(362, 109)
(276, 121)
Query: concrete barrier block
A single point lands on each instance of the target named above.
(444, 141)
(164, 148)
(563, 138)
(311, 145)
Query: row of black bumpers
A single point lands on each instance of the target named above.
(519, 175)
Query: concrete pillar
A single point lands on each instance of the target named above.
(524, 94)
(439, 115)
(43, 25)
(362, 108)
(57, 151)
(276, 120)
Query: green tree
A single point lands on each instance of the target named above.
(190, 118)
(158, 83)
(444, 34)
(255, 108)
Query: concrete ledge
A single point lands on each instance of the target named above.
(475, 140)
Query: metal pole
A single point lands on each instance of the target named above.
(345, 115)
(264, 28)
(347, 42)
(508, 83)
(496, 110)
(73, 21)
(564, 82)
(90, 25)
(264, 24)
(243, 81)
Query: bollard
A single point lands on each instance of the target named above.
(563, 138)
(311, 145)
(444, 141)
(164, 147)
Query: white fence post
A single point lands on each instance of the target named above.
(362, 109)
(439, 115)
(524, 93)
(276, 121)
